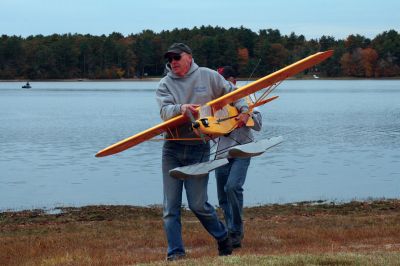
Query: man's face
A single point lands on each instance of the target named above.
(180, 63)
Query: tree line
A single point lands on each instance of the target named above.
(74, 56)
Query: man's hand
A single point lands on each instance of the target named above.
(242, 119)
(185, 108)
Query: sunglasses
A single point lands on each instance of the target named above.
(176, 57)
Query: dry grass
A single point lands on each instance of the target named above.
(371, 259)
(125, 235)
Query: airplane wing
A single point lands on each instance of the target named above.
(271, 79)
(143, 136)
(218, 103)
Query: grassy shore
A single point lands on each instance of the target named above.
(308, 233)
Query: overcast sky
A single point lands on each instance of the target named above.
(312, 18)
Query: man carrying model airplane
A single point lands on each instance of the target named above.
(185, 90)
(186, 87)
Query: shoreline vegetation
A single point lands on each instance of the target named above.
(319, 233)
(152, 79)
(64, 56)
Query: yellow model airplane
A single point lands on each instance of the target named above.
(217, 117)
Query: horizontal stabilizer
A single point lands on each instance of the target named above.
(254, 148)
(196, 170)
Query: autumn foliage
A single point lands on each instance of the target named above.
(360, 63)
(139, 55)
(243, 56)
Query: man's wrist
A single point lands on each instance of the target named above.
(180, 108)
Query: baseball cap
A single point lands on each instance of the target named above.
(178, 48)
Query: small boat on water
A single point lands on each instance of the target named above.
(26, 86)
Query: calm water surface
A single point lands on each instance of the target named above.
(342, 142)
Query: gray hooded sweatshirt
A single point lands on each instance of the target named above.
(199, 86)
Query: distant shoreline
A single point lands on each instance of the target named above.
(79, 80)
(152, 79)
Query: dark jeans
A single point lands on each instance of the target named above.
(230, 180)
(177, 155)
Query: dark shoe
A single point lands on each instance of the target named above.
(236, 240)
(178, 256)
(225, 246)
(237, 244)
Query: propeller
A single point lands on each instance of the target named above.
(196, 126)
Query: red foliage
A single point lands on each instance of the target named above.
(243, 54)
(360, 63)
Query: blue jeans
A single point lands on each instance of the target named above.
(230, 180)
(177, 155)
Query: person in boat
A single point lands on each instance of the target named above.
(185, 87)
(230, 178)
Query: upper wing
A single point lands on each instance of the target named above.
(271, 79)
(142, 136)
(218, 103)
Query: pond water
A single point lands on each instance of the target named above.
(341, 142)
